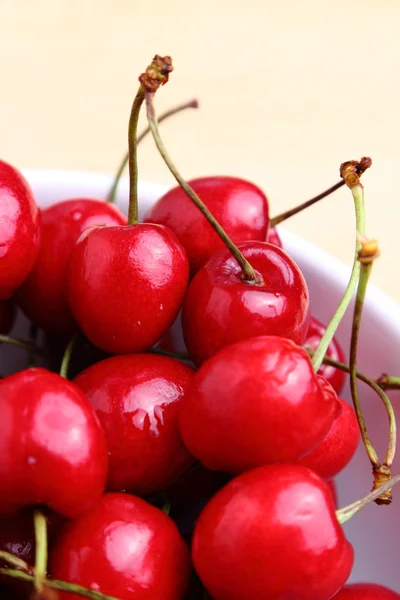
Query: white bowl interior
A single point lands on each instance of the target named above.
(373, 532)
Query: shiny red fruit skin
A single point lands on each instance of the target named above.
(337, 449)
(254, 403)
(19, 229)
(126, 285)
(125, 548)
(7, 315)
(272, 533)
(137, 398)
(365, 591)
(220, 308)
(239, 206)
(334, 376)
(52, 447)
(273, 237)
(43, 296)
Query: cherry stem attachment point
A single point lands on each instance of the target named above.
(67, 355)
(297, 209)
(249, 275)
(28, 346)
(388, 382)
(347, 512)
(41, 553)
(168, 113)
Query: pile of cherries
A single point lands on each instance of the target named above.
(165, 471)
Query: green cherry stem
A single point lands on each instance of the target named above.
(41, 554)
(66, 359)
(388, 382)
(358, 196)
(249, 275)
(133, 217)
(28, 346)
(297, 209)
(347, 512)
(16, 562)
(168, 113)
(56, 584)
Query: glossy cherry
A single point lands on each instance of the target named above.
(52, 447)
(334, 376)
(239, 206)
(43, 296)
(221, 308)
(7, 315)
(125, 548)
(272, 533)
(365, 591)
(252, 404)
(137, 399)
(340, 443)
(126, 285)
(19, 229)
(273, 237)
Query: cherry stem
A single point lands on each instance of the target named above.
(176, 355)
(28, 346)
(133, 215)
(358, 195)
(168, 113)
(249, 275)
(347, 512)
(66, 359)
(14, 561)
(41, 554)
(56, 584)
(388, 382)
(297, 209)
(383, 396)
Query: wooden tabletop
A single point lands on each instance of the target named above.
(288, 91)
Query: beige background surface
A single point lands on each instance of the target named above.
(288, 91)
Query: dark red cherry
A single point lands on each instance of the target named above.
(239, 206)
(19, 229)
(272, 533)
(7, 315)
(52, 447)
(220, 308)
(340, 443)
(126, 285)
(43, 296)
(273, 237)
(334, 376)
(252, 404)
(125, 548)
(137, 399)
(365, 591)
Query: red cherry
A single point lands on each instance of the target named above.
(365, 591)
(239, 206)
(124, 548)
(137, 400)
(273, 237)
(272, 533)
(252, 404)
(19, 229)
(220, 308)
(52, 446)
(332, 487)
(43, 296)
(126, 285)
(7, 315)
(340, 443)
(334, 376)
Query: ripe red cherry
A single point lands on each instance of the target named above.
(137, 399)
(252, 404)
(365, 591)
(19, 229)
(43, 296)
(334, 376)
(340, 443)
(125, 548)
(220, 308)
(126, 285)
(272, 533)
(239, 206)
(52, 447)
(7, 315)
(273, 237)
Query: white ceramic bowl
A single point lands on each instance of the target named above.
(374, 532)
